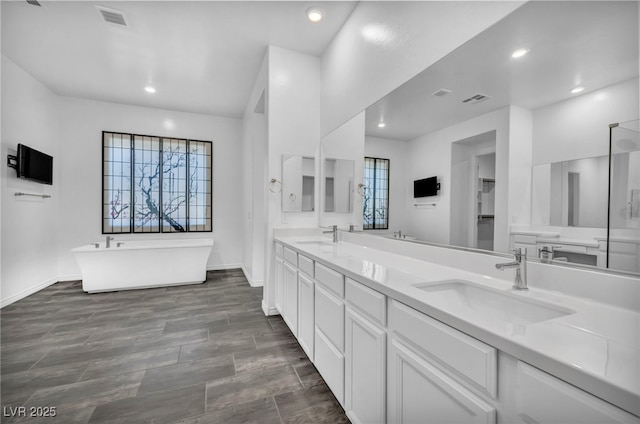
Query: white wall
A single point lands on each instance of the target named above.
(81, 124)
(30, 226)
(579, 127)
(518, 201)
(430, 155)
(400, 188)
(293, 122)
(254, 172)
(384, 44)
(345, 142)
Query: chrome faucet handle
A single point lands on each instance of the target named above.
(519, 252)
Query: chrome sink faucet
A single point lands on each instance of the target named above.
(334, 230)
(520, 264)
(109, 241)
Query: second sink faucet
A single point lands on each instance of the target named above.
(334, 230)
(520, 264)
(109, 241)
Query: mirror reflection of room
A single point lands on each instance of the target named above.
(298, 179)
(550, 181)
(339, 185)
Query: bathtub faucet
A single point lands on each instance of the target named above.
(109, 241)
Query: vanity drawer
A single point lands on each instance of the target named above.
(621, 247)
(279, 251)
(305, 265)
(331, 279)
(291, 256)
(572, 248)
(520, 238)
(468, 358)
(329, 316)
(371, 302)
(544, 398)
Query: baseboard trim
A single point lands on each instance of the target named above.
(27, 292)
(223, 267)
(268, 311)
(252, 282)
(77, 277)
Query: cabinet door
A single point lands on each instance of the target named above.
(279, 284)
(544, 399)
(330, 364)
(418, 392)
(290, 298)
(365, 370)
(306, 323)
(330, 316)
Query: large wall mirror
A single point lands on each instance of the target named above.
(338, 185)
(515, 125)
(342, 155)
(298, 180)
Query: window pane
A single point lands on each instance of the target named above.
(116, 194)
(146, 184)
(376, 194)
(200, 161)
(153, 184)
(174, 185)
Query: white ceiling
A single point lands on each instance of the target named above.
(201, 56)
(594, 44)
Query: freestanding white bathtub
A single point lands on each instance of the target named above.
(142, 264)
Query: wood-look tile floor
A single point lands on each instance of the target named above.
(189, 354)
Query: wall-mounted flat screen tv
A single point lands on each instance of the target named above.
(34, 165)
(426, 187)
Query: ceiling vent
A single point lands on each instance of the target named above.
(442, 92)
(34, 3)
(112, 16)
(476, 99)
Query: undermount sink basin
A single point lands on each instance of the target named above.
(316, 242)
(489, 303)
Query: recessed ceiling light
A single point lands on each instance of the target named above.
(577, 89)
(315, 14)
(519, 53)
(381, 125)
(150, 89)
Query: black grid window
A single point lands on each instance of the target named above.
(155, 184)
(376, 195)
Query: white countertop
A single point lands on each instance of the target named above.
(596, 348)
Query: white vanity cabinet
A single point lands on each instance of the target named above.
(306, 305)
(438, 372)
(544, 399)
(386, 362)
(329, 328)
(290, 292)
(279, 277)
(365, 354)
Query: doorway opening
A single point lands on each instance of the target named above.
(473, 165)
